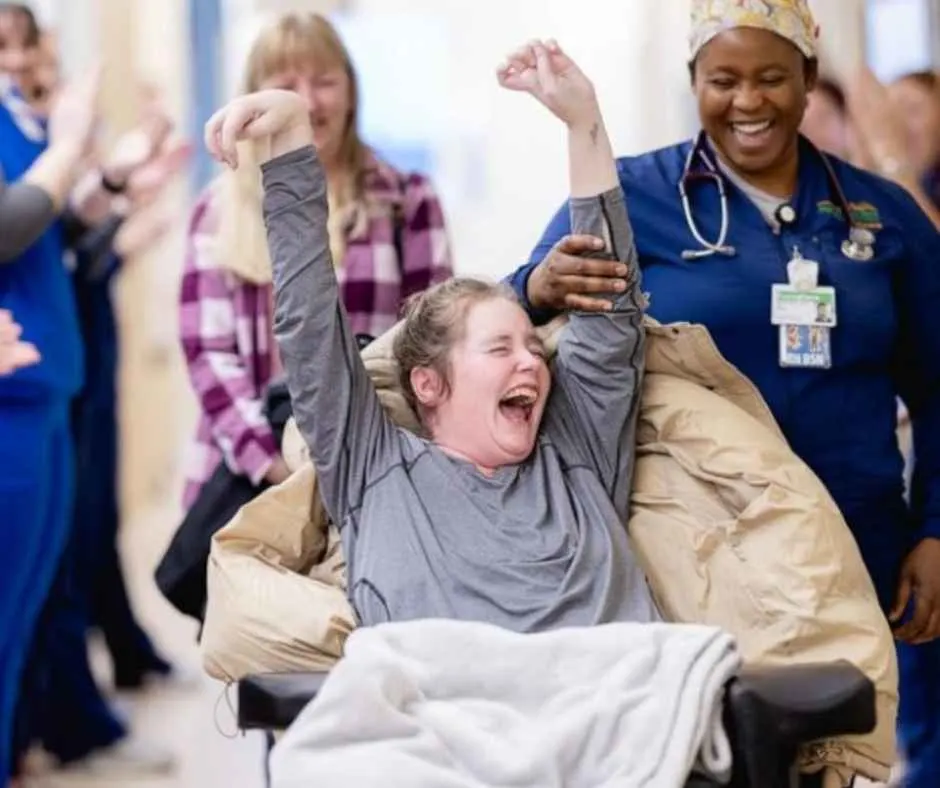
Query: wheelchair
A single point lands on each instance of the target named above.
(769, 713)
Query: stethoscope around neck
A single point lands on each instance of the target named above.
(858, 246)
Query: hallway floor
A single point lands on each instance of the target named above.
(187, 721)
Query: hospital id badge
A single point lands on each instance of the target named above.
(792, 306)
(807, 347)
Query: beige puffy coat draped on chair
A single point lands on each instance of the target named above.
(730, 526)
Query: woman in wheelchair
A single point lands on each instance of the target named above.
(510, 509)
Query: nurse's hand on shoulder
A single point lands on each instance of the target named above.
(280, 116)
(543, 69)
(920, 589)
(566, 279)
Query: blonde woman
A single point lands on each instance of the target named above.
(386, 233)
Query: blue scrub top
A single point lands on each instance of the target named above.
(36, 288)
(842, 420)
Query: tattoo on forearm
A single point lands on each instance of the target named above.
(595, 129)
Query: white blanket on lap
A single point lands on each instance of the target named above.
(448, 704)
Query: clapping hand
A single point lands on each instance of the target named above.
(73, 120)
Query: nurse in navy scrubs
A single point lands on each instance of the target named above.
(752, 232)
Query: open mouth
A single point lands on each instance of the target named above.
(519, 403)
(752, 132)
(318, 123)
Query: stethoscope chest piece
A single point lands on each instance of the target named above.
(860, 245)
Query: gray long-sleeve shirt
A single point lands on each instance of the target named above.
(536, 546)
(26, 212)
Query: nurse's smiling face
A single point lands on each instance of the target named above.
(752, 86)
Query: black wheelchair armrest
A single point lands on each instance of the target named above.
(271, 701)
(770, 712)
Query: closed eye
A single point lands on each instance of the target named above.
(538, 349)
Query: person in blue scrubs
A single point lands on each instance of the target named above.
(833, 389)
(60, 703)
(35, 442)
(137, 168)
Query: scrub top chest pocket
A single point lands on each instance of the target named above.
(865, 313)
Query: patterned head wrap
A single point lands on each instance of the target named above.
(791, 19)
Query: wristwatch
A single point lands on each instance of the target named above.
(111, 187)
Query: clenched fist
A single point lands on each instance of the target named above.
(278, 115)
(547, 73)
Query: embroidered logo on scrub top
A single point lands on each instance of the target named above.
(864, 214)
